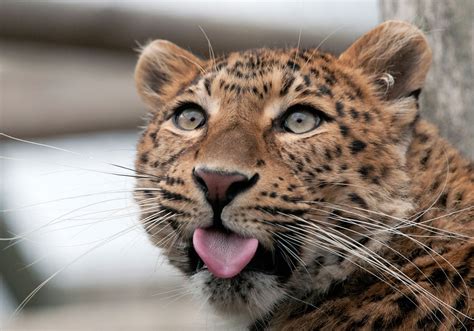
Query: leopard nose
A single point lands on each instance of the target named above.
(222, 187)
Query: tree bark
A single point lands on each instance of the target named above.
(447, 98)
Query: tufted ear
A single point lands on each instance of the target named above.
(162, 69)
(396, 54)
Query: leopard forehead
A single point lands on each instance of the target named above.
(246, 82)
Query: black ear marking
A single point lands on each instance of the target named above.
(415, 94)
(156, 79)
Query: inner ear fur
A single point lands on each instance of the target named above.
(396, 55)
(162, 68)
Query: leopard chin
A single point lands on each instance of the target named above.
(249, 296)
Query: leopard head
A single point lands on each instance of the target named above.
(266, 173)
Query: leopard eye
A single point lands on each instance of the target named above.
(189, 118)
(300, 120)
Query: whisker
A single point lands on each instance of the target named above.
(321, 43)
(39, 144)
(73, 167)
(48, 279)
(211, 50)
(297, 49)
(375, 260)
(407, 222)
(426, 248)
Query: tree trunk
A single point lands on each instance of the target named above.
(448, 97)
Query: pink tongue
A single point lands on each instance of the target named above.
(225, 255)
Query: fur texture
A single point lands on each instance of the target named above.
(368, 218)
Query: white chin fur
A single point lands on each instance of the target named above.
(254, 296)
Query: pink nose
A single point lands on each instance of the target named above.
(221, 187)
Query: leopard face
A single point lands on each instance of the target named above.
(252, 164)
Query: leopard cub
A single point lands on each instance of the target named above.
(298, 190)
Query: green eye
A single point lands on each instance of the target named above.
(190, 118)
(300, 121)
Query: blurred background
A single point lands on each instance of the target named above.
(69, 107)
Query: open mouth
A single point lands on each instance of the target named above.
(227, 255)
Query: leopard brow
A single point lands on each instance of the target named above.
(313, 108)
(186, 88)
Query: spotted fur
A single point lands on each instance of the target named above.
(369, 217)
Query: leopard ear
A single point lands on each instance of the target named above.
(396, 55)
(162, 69)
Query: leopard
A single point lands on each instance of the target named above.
(295, 189)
